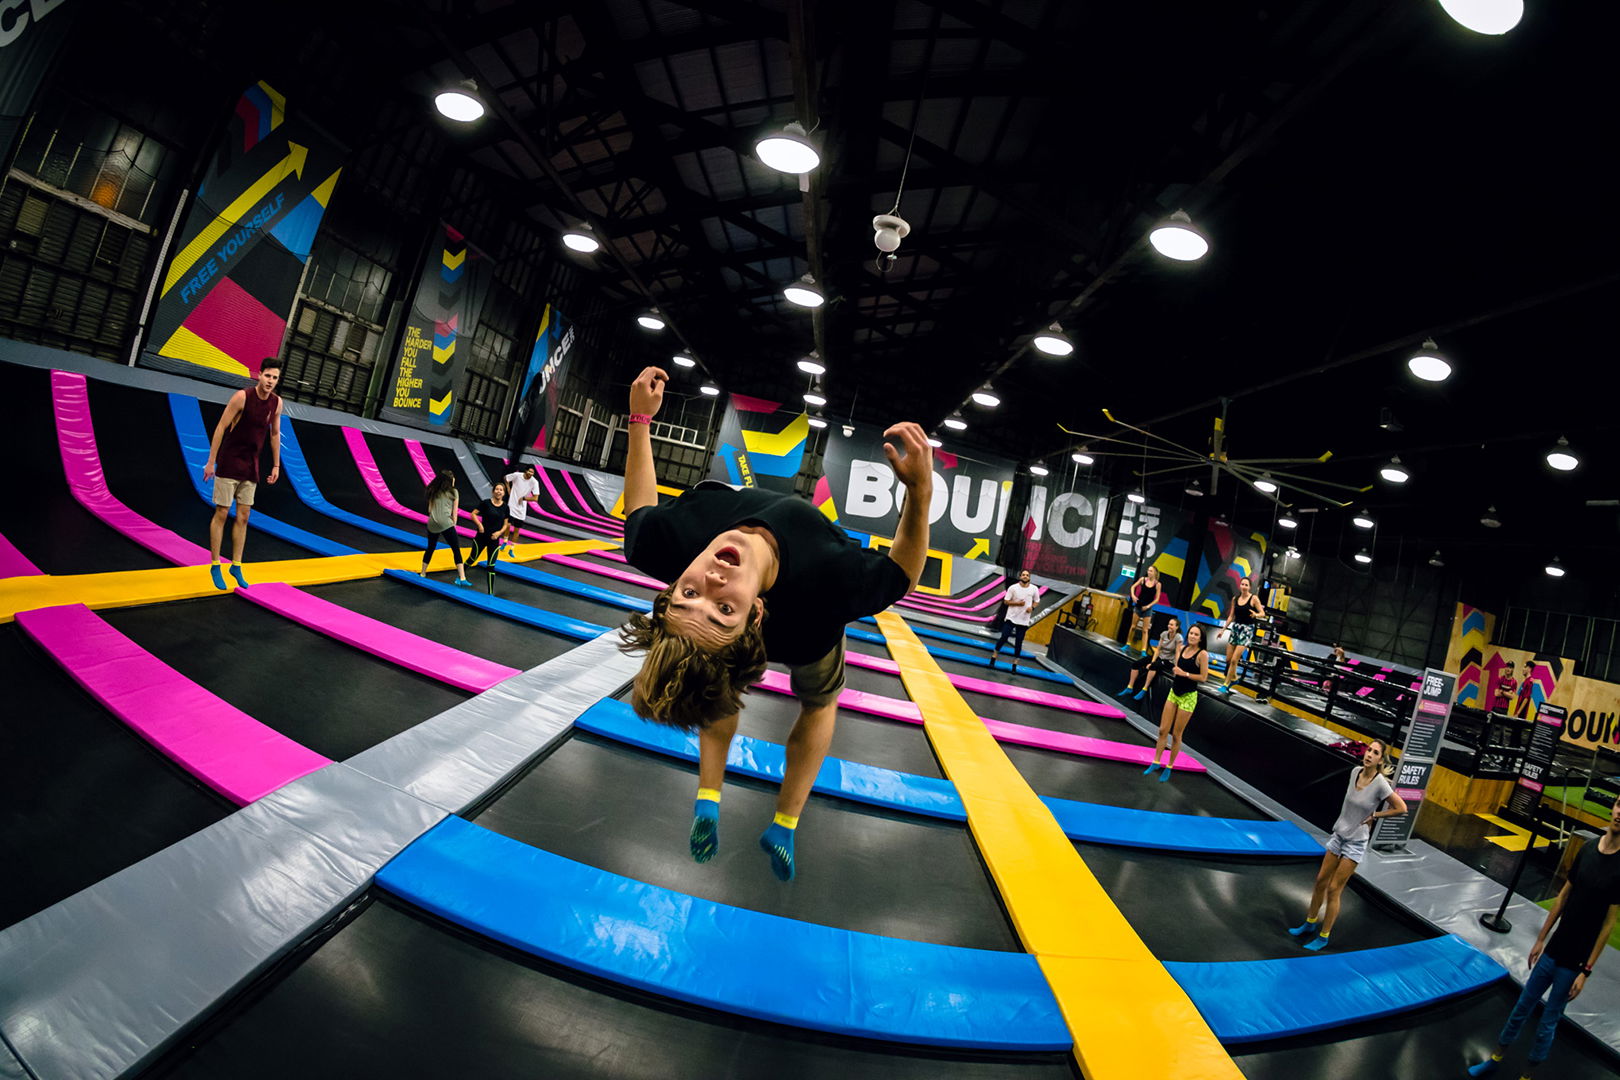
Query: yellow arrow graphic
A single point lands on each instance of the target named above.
(453, 261)
(248, 200)
(437, 405)
(981, 546)
(441, 355)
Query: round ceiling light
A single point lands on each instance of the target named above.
(1080, 457)
(1195, 488)
(650, 320)
(1363, 557)
(1039, 470)
(955, 422)
(935, 443)
(789, 150)
(1489, 518)
(1485, 16)
(460, 103)
(1394, 471)
(805, 293)
(1177, 238)
(816, 421)
(812, 365)
(1136, 497)
(813, 398)
(1562, 457)
(1362, 520)
(1286, 522)
(985, 396)
(1555, 568)
(709, 390)
(1428, 365)
(681, 359)
(1053, 341)
(581, 239)
(1436, 560)
(1266, 484)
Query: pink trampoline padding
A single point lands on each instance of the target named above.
(436, 661)
(992, 583)
(214, 741)
(995, 689)
(954, 608)
(1019, 734)
(363, 460)
(609, 523)
(81, 461)
(14, 563)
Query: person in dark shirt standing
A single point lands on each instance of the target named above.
(493, 523)
(1584, 914)
(233, 463)
(754, 576)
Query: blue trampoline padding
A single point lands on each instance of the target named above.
(614, 719)
(1029, 672)
(194, 443)
(1271, 999)
(582, 589)
(1124, 827)
(1119, 826)
(303, 482)
(924, 630)
(506, 609)
(726, 958)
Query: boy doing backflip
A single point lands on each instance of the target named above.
(754, 576)
(233, 463)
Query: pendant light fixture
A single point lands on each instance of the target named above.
(1177, 238)
(1039, 470)
(812, 365)
(1363, 557)
(460, 102)
(788, 150)
(582, 239)
(955, 422)
(1394, 471)
(684, 360)
(1427, 363)
(1080, 457)
(1266, 484)
(1489, 518)
(650, 320)
(1491, 17)
(986, 397)
(1286, 522)
(1053, 341)
(1555, 568)
(1562, 457)
(805, 293)
(1362, 520)
(709, 390)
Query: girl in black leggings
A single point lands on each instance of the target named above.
(443, 503)
(493, 524)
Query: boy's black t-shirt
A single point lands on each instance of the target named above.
(825, 578)
(494, 517)
(1594, 886)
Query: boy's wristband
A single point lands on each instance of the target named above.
(640, 418)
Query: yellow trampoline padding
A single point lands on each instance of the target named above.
(1129, 1018)
(133, 587)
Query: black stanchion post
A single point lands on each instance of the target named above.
(1499, 921)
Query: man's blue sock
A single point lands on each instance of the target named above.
(777, 842)
(705, 838)
(1319, 944)
(218, 576)
(1151, 769)
(236, 572)
(1164, 775)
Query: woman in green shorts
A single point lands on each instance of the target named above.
(1192, 668)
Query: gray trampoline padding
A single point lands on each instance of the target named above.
(99, 983)
(10, 1067)
(453, 759)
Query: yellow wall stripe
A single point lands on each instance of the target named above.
(1129, 1018)
(131, 587)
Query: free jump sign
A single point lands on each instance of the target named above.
(1421, 749)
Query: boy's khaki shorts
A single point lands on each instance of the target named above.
(819, 683)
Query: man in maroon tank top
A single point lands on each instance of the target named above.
(238, 442)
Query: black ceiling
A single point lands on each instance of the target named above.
(1369, 174)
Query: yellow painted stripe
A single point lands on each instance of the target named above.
(618, 505)
(946, 561)
(323, 194)
(783, 442)
(184, 345)
(134, 587)
(1129, 1018)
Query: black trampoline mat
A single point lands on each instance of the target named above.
(331, 698)
(1118, 783)
(49, 526)
(1442, 1040)
(332, 465)
(629, 812)
(140, 455)
(397, 993)
(429, 615)
(869, 740)
(1204, 908)
(83, 796)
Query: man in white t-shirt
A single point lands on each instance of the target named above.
(1020, 600)
(522, 489)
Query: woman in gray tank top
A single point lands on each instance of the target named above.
(1369, 789)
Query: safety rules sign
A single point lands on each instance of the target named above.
(1418, 755)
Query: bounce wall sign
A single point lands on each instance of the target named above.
(238, 257)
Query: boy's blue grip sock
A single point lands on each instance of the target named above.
(1164, 775)
(1151, 769)
(1319, 944)
(705, 836)
(777, 842)
(218, 576)
(236, 572)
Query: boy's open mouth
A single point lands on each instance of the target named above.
(729, 555)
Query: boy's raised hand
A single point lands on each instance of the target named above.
(647, 392)
(916, 468)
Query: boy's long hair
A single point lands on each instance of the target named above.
(682, 684)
